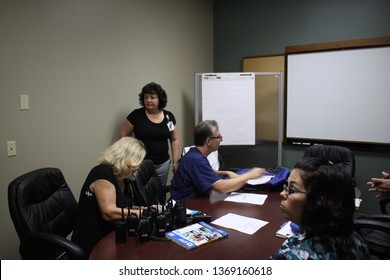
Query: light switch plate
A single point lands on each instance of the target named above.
(24, 102)
(11, 148)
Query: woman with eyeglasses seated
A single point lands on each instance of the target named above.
(319, 198)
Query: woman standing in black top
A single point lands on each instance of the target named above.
(154, 126)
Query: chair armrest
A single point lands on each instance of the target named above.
(372, 224)
(377, 217)
(47, 246)
(376, 234)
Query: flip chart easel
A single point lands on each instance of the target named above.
(241, 108)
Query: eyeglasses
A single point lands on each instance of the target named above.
(292, 190)
(216, 137)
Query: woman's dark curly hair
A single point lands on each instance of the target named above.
(156, 89)
(329, 205)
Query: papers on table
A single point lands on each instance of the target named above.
(261, 180)
(251, 198)
(240, 223)
(285, 230)
(190, 212)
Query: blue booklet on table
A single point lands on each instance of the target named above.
(195, 235)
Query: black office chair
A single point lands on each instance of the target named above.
(340, 156)
(375, 229)
(43, 210)
(148, 189)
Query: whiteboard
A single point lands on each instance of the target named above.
(229, 98)
(339, 95)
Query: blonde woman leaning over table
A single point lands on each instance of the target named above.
(106, 191)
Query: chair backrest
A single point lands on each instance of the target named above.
(375, 230)
(41, 201)
(148, 189)
(341, 157)
(214, 159)
(338, 155)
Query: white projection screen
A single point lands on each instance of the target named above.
(340, 96)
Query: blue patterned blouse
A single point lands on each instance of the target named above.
(298, 247)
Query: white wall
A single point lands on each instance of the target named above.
(83, 63)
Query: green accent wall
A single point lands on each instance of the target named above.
(259, 28)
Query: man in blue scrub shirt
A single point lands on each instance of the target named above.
(195, 176)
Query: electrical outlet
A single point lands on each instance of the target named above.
(11, 148)
(24, 102)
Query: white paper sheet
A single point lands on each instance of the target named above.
(285, 230)
(261, 180)
(251, 198)
(240, 223)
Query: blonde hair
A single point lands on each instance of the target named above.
(124, 157)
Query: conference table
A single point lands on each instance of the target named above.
(236, 246)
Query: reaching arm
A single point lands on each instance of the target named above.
(106, 199)
(231, 174)
(233, 184)
(175, 148)
(127, 129)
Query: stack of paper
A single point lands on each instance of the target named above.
(285, 230)
(251, 198)
(261, 180)
(240, 223)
